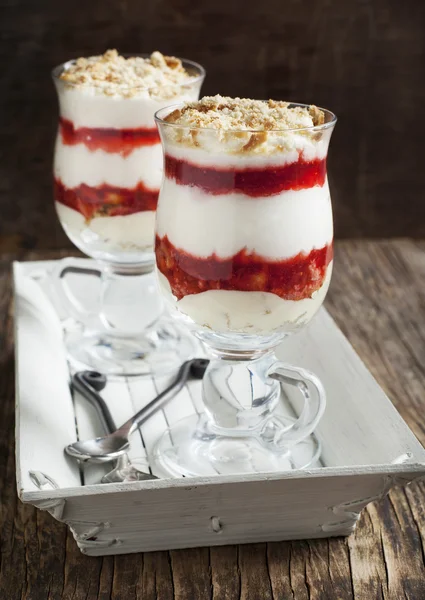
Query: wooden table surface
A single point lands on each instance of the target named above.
(378, 298)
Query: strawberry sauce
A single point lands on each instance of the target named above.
(252, 182)
(106, 200)
(294, 278)
(117, 141)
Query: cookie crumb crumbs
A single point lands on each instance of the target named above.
(222, 112)
(113, 74)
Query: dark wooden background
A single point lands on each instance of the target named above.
(364, 59)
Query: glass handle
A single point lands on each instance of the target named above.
(313, 393)
(126, 304)
(71, 304)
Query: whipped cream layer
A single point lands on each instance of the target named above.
(129, 233)
(275, 227)
(225, 149)
(76, 164)
(84, 107)
(233, 311)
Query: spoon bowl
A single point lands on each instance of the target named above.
(99, 450)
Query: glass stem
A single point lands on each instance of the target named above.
(238, 394)
(129, 303)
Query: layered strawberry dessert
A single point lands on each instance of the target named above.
(108, 156)
(244, 223)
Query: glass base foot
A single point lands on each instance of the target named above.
(158, 352)
(191, 448)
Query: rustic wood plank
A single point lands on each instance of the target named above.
(157, 578)
(255, 577)
(225, 573)
(191, 573)
(378, 298)
(279, 566)
(128, 570)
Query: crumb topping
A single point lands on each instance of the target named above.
(113, 74)
(250, 127)
(243, 114)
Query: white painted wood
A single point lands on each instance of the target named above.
(143, 391)
(45, 419)
(367, 448)
(176, 514)
(255, 511)
(360, 425)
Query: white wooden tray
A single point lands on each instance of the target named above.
(367, 447)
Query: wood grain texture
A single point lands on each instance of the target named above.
(363, 59)
(378, 298)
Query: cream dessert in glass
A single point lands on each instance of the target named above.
(244, 251)
(108, 156)
(107, 173)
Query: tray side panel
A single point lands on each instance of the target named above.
(228, 513)
(360, 421)
(44, 412)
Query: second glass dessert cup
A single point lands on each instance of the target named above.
(244, 249)
(107, 172)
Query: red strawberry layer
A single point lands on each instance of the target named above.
(294, 278)
(106, 200)
(118, 141)
(253, 182)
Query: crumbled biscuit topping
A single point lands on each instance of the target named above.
(249, 127)
(113, 74)
(243, 114)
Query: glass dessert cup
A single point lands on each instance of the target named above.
(244, 249)
(107, 173)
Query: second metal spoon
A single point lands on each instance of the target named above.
(110, 447)
(89, 384)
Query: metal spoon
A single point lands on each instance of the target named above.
(89, 384)
(110, 447)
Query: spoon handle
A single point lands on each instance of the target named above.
(79, 383)
(174, 388)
